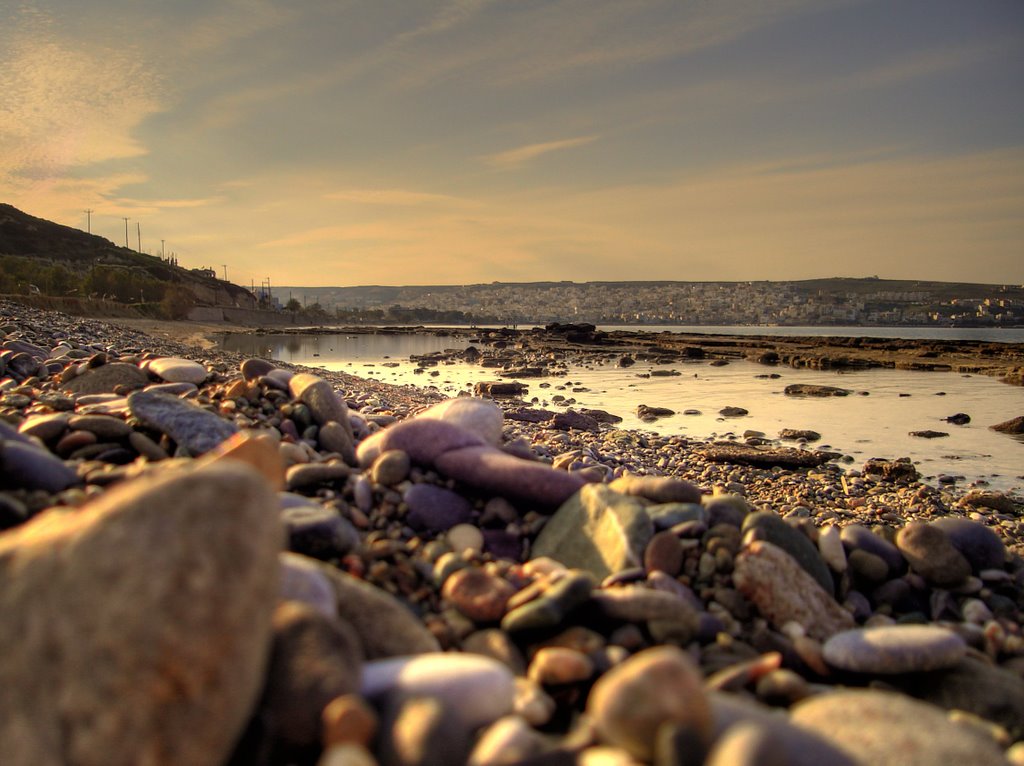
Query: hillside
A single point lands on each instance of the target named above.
(64, 261)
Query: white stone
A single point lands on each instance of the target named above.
(830, 546)
(477, 689)
(480, 416)
(174, 369)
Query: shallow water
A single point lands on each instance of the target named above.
(873, 421)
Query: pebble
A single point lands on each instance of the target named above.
(894, 649)
(555, 665)
(476, 689)
(191, 427)
(391, 467)
(25, 465)
(893, 730)
(478, 416)
(931, 554)
(976, 542)
(598, 530)
(632, 700)
(783, 591)
(765, 525)
(177, 370)
(480, 596)
(95, 656)
(348, 719)
(116, 376)
(435, 509)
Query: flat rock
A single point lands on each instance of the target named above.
(190, 426)
(810, 389)
(1011, 426)
(598, 530)
(127, 644)
(174, 369)
(107, 378)
(783, 591)
(888, 729)
(894, 649)
(745, 454)
(799, 434)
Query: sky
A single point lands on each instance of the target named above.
(349, 142)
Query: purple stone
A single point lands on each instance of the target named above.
(426, 439)
(435, 509)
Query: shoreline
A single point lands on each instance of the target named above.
(447, 540)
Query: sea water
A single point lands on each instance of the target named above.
(875, 420)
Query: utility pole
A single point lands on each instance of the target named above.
(138, 232)
(225, 267)
(126, 231)
(88, 220)
(161, 249)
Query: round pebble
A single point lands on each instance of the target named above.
(894, 649)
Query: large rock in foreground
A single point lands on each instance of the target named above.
(136, 630)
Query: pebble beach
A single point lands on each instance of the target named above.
(208, 558)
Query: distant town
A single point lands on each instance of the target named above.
(838, 301)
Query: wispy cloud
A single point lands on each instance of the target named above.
(394, 197)
(513, 158)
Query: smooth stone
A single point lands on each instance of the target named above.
(174, 369)
(435, 509)
(126, 644)
(478, 416)
(391, 467)
(857, 536)
(631, 701)
(830, 546)
(765, 525)
(783, 591)
(347, 754)
(748, 744)
(550, 609)
(422, 731)
(190, 426)
(45, 427)
(313, 660)
(492, 470)
(979, 544)
(657, 489)
(894, 649)
(886, 729)
(931, 554)
(668, 515)
(104, 426)
(597, 530)
(304, 475)
(800, 746)
(334, 437)
(107, 378)
(477, 689)
(556, 665)
(253, 369)
(664, 553)
(466, 537)
(176, 389)
(868, 566)
(423, 439)
(324, 404)
(303, 580)
(385, 626)
(478, 595)
(29, 467)
(993, 693)
(318, 532)
(725, 509)
(509, 740)
(349, 719)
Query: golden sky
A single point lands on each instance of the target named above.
(340, 142)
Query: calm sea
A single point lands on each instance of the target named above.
(874, 421)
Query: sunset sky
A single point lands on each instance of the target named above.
(341, 142)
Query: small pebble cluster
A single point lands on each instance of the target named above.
(217, 560)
